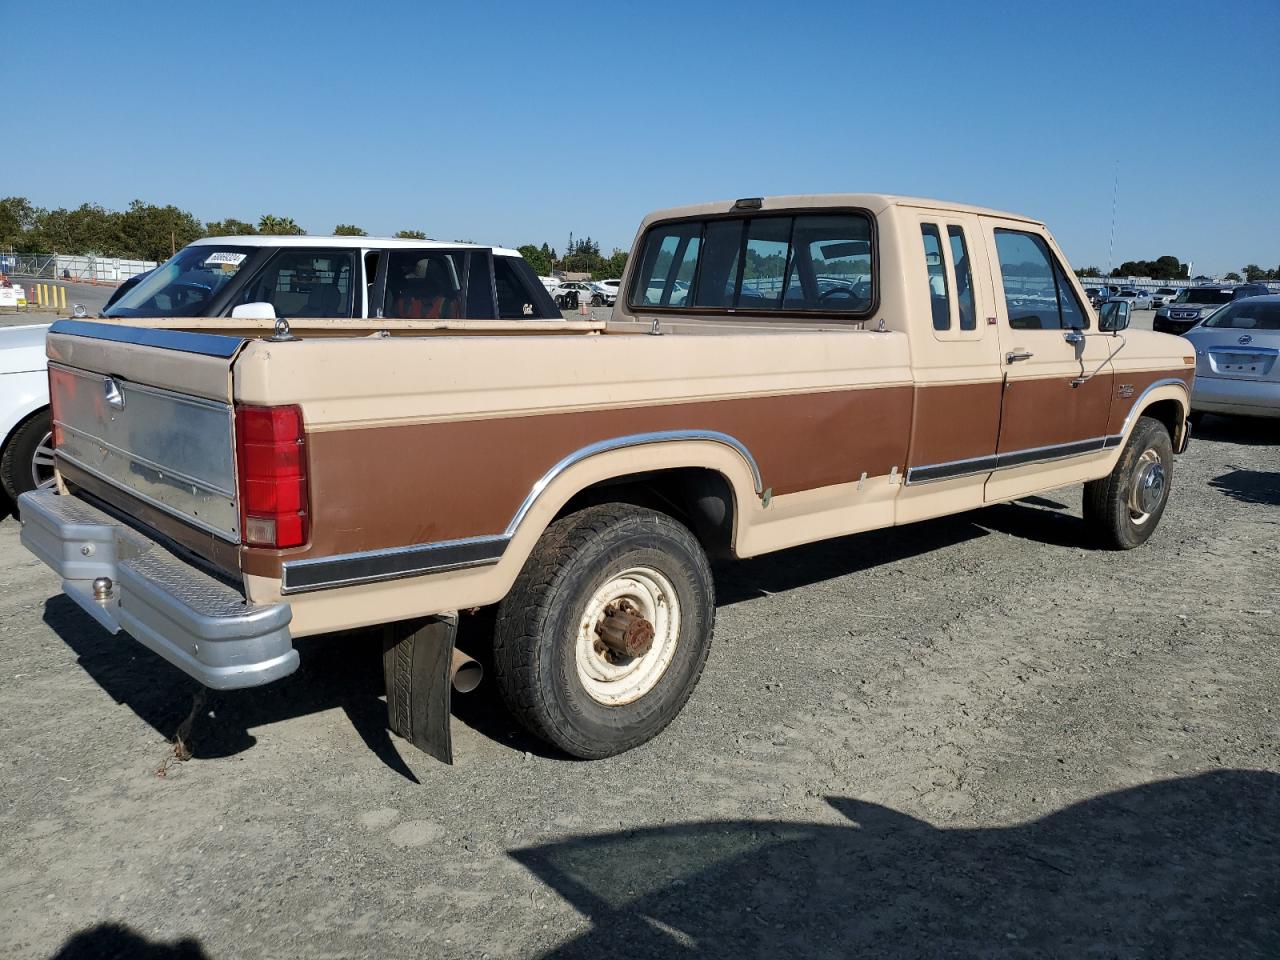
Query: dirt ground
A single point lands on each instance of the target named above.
(972, 737)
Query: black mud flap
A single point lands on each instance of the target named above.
(417, 657)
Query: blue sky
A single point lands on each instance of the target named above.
(516, 122)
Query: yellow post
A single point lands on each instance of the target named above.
(39, 294)
(62, 297)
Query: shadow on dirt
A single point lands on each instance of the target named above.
(1250, 431)
(1250, 486)
(343, 671)
(114, 941)
(1178, 868)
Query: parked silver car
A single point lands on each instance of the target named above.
(1162, 296)
(1236, 351)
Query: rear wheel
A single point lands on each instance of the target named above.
(1124, 507)
(604, 634)
(27, 461)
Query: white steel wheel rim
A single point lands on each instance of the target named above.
(614, 679)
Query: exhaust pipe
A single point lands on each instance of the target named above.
(465, 673)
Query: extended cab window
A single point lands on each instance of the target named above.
(305, 283)
(939, 299)
(964, 278)
(819, 263)
(1036, 292)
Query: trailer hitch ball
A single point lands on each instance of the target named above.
(102, 587)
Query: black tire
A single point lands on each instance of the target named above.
(1112, 508)
(17, 464)
(597, 300)
(535, 646)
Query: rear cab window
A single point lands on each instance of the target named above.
(771, 264)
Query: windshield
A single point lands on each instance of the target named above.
(1247, 315)
(1203, 295)
(185, 285)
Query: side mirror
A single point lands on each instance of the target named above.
(1114, 316)
(253, 311)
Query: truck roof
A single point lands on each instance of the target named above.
(875, 202)
(344, 242)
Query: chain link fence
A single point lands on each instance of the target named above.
(80, 269)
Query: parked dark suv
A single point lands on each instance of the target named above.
(1195, 303)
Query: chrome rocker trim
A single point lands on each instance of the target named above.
(374, 566)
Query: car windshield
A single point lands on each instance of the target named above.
(1204, 295)
(185, 285)
(1165, 291)
(1247, 315)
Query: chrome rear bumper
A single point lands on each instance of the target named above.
(196, 622)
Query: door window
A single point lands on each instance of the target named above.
(1036, 292)
(305, 283)
(423, 285)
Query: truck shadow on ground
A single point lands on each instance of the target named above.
(346, 671)
(1186, 867)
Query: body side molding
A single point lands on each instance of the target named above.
(392, 563)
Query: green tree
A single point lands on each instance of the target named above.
(230, 227)
(17, 218)
(410, 235)
(1232, 276)
(1088, 272)
(612, 267)
(536, 258)
(1254, 273)
(348, 230)
(148, 232)
(279, 226)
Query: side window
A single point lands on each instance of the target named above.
(667, 265)
(936, 268)
(423, 285)
(520, 294)
(964, 278)
(306, 283)
(1030, 293)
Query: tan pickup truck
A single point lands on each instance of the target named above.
(776, 371)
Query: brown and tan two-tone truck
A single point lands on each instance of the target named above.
(776, 371)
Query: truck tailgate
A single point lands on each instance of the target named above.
(148, 413)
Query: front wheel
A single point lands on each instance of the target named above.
(1124, 507)
(27, 461)
(605, 632)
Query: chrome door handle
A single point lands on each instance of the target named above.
(1073, 337)
(1013, 356)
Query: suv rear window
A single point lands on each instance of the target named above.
(772, 263)
(1204, 295)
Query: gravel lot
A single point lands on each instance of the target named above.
(972, 737)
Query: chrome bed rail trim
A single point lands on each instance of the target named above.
(206, 344)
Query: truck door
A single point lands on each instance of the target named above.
(1057, 372)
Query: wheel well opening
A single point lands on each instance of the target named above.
(700, 498)
(1168, 412)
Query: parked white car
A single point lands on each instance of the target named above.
(1137, 299)
(1162, 296)
(568, 294)
(605, 292)
(26, 456)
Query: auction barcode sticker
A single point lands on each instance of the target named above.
(223, 256)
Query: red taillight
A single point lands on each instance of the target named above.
(271, 467)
